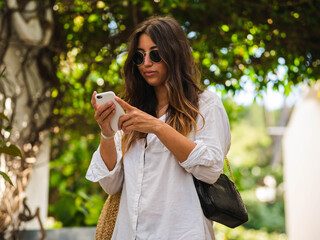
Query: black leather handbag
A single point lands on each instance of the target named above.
(221, 201)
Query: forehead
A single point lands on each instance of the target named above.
(145, 43)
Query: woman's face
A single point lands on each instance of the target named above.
(155, 74)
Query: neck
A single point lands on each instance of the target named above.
(162, 96)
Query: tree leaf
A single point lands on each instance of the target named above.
(8, 129)
(11, 150)
(4, 117)
(6, 177)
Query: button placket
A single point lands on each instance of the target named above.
(139, 187)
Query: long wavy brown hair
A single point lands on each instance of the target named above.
(182, 82)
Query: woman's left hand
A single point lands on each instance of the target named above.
(136, 120)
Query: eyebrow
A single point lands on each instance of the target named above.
(153, 47)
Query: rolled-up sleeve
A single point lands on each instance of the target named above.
(110, 181)
(213, 140)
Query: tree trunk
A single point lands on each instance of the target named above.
(25, 93)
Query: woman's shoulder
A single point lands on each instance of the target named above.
(209, 98)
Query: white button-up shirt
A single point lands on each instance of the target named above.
(159, 200)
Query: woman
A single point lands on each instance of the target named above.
(171, 131)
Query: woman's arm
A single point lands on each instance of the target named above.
(179, 145)
(108, 153)
(106, 166)
(137, 120)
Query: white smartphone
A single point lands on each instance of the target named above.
(105, 97)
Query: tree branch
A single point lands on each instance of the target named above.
(282, 4)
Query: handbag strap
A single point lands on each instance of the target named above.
(229, 168)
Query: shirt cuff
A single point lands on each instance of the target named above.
(196, 157)
(98, 169)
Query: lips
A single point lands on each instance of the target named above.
(150, 73)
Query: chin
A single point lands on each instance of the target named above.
(153, 82)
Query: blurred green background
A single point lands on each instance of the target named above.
(240, 47)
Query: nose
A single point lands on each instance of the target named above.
(147, 60)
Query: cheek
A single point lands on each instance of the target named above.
(140, 68)
(164, 70)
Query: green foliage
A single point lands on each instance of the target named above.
(77, 209)
(6, 177)
(241, 233)
(74, 201)
(10, 150)
(65, 209)
(250, 156)
(233, 110)
(5, 146)
(230, 39)
(4, 117)
(269, 217)
(251, 144)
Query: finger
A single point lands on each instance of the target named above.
(106, 113)
(124, 104)
(100, 111)
(93, 100)
(128, 129)
(123, 119)
(108, 118)
(105, 124)
(104, 120)
(127, 124)
(123, 123)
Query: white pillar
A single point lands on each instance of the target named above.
(37, 191)
(302, 167)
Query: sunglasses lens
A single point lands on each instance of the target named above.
(138, 58)
(154, 56)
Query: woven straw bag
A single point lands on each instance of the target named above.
(108, 217)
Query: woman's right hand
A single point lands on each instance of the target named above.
(103, 115)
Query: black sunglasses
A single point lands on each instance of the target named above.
(138, 57)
